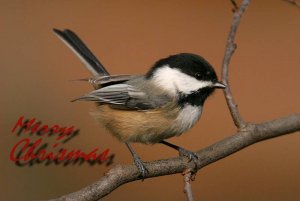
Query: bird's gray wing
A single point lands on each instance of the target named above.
(124, 96)
(103, 81)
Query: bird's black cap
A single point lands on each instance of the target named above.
(190, 64)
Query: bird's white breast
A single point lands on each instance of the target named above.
(187, 118)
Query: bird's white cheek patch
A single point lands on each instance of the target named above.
(173, 80)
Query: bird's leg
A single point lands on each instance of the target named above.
(183, 152)
(137, 161)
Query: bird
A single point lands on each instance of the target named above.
(165, 102)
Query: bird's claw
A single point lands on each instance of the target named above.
(140, 165)
(189, 154)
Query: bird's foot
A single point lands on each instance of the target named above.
(183, 152)
(137, 161)
(140, 165)
(189, 154)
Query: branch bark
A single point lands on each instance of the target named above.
(122, 174)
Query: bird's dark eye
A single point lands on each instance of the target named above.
(198, 75)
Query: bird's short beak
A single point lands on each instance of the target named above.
(219, 85)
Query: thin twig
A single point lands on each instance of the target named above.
(188, 177)
(230, 48)
(235, 6)
(120, 175)
(294, 2)
(239, 122)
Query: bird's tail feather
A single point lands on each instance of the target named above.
(82, 51)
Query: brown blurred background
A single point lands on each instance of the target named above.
(128, 37)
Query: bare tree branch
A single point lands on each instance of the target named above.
(230, 48)
(122, 174)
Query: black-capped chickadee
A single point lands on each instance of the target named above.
(163, 103)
